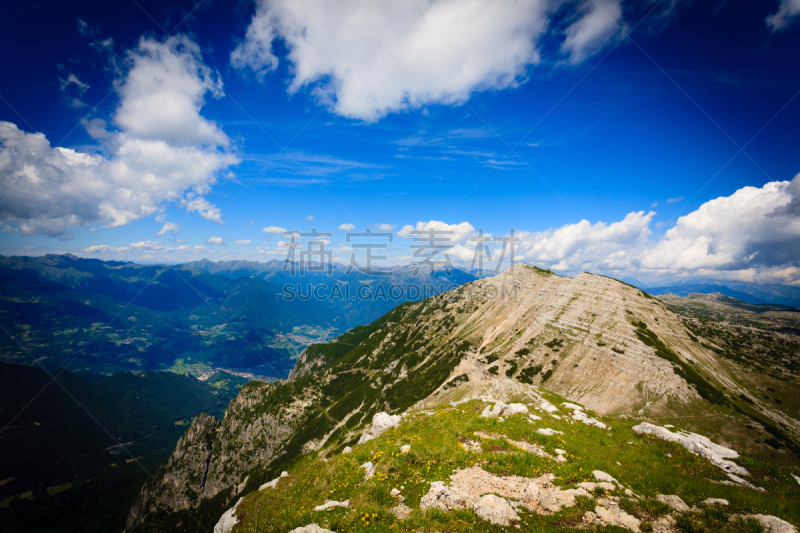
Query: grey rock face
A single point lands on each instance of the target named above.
(183, 477)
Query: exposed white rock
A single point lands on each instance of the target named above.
(554, 500)
(547, 406)
(394, 493)
(549, 432)
(496, 510)
(559, 451)
(380, 422)
(612, 515)
(744, 482)
(471, 445)
(311, 528)
(599, 475)
(771, 524)
(347, 449)
(698, 445)
(369, 470)
(330, 504)
(440, 496)
(521, 445)
(274, 483)
(401, 511)
(227, 520)
(591, 487)
(665, 524)
(673, 501)
(405, 448)
(715, 501)
(580, 416)
(503, 409)
(468, 485)
(796, 478)
(534, 417)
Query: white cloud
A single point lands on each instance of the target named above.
(587, 246)
(752, 228)
(244, 242)
(788, 10)
(163, 93)
(366, 59)
(598, 22)
(673, 200)
(347, 227)
(169, 227)
(274, 229)
(310, 218)
(459, 233)
(53, 190)
(385, 227)
(215, 241)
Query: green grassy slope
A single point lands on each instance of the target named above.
(644, 464)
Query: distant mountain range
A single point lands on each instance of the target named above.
(752, 293)
(103, 316)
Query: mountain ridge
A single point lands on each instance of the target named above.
(592, 339)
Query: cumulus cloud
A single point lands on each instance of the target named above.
(754, 227)
(244, 242)
(454, 233)
(585, 246)
(164, 91)
(274, 229)
(215, 241)
(385, 227)
(363, 59)
(347, 227)
(148, 162)
(788, 10)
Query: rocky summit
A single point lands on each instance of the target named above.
(527, 400)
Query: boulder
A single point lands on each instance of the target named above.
(673, 501)
(440, 496)
(502, 409)
(771, 524)
(599, 475)
(496, 510)
(401, 511)
(381, 422)
(614, 516)
(311, 528)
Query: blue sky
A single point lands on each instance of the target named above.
(588, 126)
